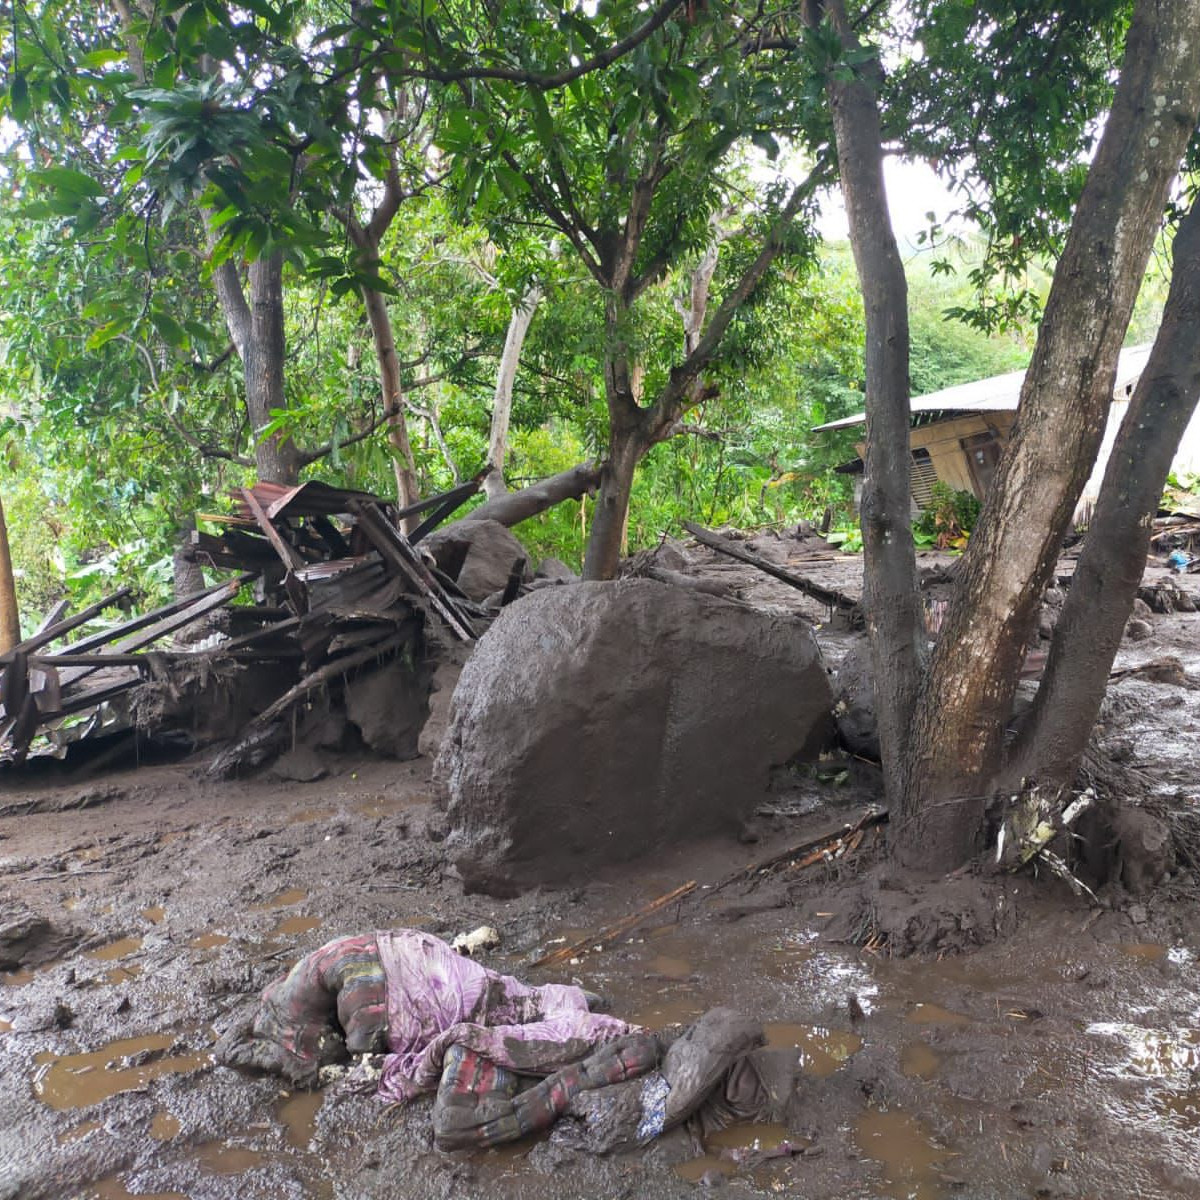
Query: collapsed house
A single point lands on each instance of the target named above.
(328, 596)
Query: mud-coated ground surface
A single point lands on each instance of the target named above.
(1060, 1060)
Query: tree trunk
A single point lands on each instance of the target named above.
(392, 396)
(276, 456)
(512, 508)
(518, 327)
(954, 751)
(603, 555)
(891, 598)
(1110, 568)
(10, 617)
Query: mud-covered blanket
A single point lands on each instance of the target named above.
(409, 994)
(505, 1058)
(436, 999)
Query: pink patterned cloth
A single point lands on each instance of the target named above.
(436, 998)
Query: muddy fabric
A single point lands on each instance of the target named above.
(437, 999)
(713, 1074)
(480, 1104)
(332, 1001)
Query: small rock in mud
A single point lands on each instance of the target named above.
(301, 764)
(27, 939)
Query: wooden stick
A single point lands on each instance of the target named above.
(806, 853)
(834, 599)
(611, 932)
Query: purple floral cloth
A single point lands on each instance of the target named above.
(436, 999)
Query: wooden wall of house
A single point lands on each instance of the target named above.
(943, 440)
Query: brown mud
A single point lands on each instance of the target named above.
(1061, 1059)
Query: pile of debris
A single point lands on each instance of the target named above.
(338, 588)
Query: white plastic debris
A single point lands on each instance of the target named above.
(477, 941)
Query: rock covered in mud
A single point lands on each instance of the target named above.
(855, 710)
(486, 551)
(598, 722)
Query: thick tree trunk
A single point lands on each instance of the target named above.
(891, 598)
(603, 555)
(1110, 568)
(518, 327)
(276, 457)
(956, 742)
(256, 330)
(10, 617)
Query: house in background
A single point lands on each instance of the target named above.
(959, 433)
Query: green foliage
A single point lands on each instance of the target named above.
(948, 520)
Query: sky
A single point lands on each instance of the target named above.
(913, 190)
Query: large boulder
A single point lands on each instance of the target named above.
(477, 555)
(597, 722)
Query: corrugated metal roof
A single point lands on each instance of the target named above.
(1000, 393)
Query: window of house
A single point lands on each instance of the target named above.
(923, 479)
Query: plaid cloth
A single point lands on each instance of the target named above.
(479, 1103)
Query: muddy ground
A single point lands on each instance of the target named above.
(1060, 1060)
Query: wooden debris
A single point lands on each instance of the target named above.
(815, 850)
(609, 933)
(340, 587)
(843, 605)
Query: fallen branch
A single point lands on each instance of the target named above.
(611, 932)
(839, 602)
(514, 507)
(806, 853)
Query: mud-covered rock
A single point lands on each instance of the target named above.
(854, 691)
(597, 722)
(28, 939)
(554, 570)
(390, 706)
(486, 551)
(1146, 849)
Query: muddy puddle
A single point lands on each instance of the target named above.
(122, 948)
(290, 926)
(285, 899)
(72, 1081)
(912, 1164)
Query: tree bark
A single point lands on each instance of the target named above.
(512, 508)
(891, 597)
(627, 444)
(518, 327)
(392, 397)
(954, 751)
(10, 617)
(1110, 568)
(276, 456)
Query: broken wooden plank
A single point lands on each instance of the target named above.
(140, 622)
(838, 601)
(516, 577)
(451, 502)
(289, 555)
(202, 604)
(394, 549)
(53, 615)
(53, 632)
(600, 939)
